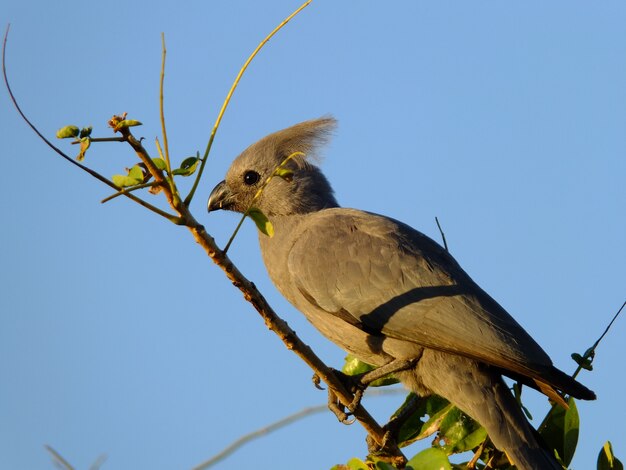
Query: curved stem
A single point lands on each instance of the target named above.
(93, 173)
(281, 423)
(256, 197)
(124, 191)
(230, 94)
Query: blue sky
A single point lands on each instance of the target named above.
(118, 336)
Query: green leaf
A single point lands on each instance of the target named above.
(459, 432)
(121, 181)
(354, 366)
(382, 465)
(159, 163)
(261, 221)
(432, 458)
(424, 421)
(607, 460)
(85, 142)
(85, 132)
(560, 431)
(127, 123)
(187, 167)
(353, 464)
(471, 439)
(135, 176)
(67, 132)
(136, 173)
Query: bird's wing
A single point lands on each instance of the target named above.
(389, 279)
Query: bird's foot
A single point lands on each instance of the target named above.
(317, 381)
(341, 412)
(354, 385)
(357, 384)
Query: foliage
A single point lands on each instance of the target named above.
(457, 433)
(606, 459)
(454, 432)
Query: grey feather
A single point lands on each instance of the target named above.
(383, 291)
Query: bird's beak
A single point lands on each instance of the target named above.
(220, 198)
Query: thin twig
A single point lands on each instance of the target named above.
(592, 350)
(98, 463)
(161, 107)
(58, 459)
(590, 353)
(259, 433)
(232, 237)
(91, 172)
(170, 194)
(258, 195)
(123, 191)
(101, 139)
(65, 465)
(230, 94)
(281, 423)
(248, 289)
(443, 235)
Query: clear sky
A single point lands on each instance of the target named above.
(118, 336)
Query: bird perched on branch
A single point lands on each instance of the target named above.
(388, 294)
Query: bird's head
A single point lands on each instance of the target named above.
(304, 188)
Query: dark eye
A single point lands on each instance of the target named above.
(251, 177)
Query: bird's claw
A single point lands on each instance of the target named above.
(317, 382)
(338, 409)
(353, 384)
(357, 384)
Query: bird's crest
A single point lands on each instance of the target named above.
(306, 137)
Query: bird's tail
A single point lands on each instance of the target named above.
(481, 393)
(518, 440)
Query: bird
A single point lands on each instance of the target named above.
(386, 293)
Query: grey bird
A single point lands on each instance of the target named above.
(387, 293)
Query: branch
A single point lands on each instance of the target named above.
(443, 235)
(58, 459)
(93, 173)
(252, 295)
(591, 352)
(248, 289)
(123, 191)
(286, 334)
(281, 423)
(235, 445)
(589, 355)
(63, 464)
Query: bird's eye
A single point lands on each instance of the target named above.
(251, 177)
